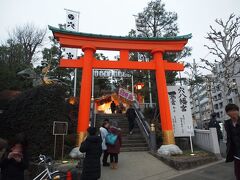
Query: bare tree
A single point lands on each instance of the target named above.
(30, 37)
(225, 45)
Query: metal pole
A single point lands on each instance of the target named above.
(92, 83)
(190, 137)
(133, 88)
(190, 130)
(198, 96)
(63, 147)
(210, 89)
(149, 84)
(54, 151)
(75, 83)
(180, 77)
(150, 89)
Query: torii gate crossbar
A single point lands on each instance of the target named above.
(89, 43)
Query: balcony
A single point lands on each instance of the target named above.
(203, 101)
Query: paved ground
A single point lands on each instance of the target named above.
(143, 166)
(138, 166)
(218, 171)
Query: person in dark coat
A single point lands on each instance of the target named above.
(93, 149)
(131, 115)
(232, 127)
(215, 124)
(113, 107)
(114, 150)
(15, 160)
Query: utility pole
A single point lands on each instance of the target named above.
(149, 83)
(209, 79)
(133, 88)
(150, 89)
(198, 95)
(75, 83)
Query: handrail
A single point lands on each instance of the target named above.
(143, 125)
(145, 130)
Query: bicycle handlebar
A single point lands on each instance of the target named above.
(44, 159)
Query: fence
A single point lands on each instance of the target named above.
(207, 140)
(143, 106)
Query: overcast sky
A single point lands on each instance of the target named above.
(115, 17)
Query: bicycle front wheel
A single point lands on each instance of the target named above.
(58, 176)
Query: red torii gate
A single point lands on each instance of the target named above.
(89, 43)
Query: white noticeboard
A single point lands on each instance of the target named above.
(180, 111)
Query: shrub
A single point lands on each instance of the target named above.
(33, 113)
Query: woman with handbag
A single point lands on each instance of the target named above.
(114, 149)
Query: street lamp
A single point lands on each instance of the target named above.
(139, 86)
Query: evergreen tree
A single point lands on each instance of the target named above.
(156, 21)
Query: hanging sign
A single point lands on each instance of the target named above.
(125, 94)
(180, 110)
(102, 73)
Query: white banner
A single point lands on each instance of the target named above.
(72, 24)
(72, 20)
(180, 110)
(103, 73)
(69, 53)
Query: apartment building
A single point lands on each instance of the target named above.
(214, 95)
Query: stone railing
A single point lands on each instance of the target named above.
(207, 140)
(143, 106)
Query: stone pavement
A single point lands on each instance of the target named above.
(214, 171)
(138, 166)
(143, 166)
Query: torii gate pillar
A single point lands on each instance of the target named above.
(165, 114)
(85, 94)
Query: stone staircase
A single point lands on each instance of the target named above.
(134, 142)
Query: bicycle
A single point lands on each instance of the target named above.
(48, 173)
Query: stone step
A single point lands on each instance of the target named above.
(126, 130)
(118, 122)
(132, 136)
(142, 140)
(111, 115)
(134, 144)
(99, 118)
(130, 149)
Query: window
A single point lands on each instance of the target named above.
(220, 96)
(235, 91)
(215, 98)
(216, 106)
(220, 105)
(230, 101)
